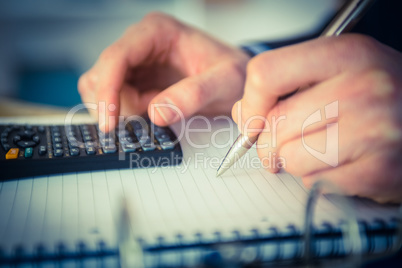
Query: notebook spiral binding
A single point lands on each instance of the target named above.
(354, 242)
(351, 237)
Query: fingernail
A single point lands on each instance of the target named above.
(102, 127)
(166, 110)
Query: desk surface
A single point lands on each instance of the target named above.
(13, 107)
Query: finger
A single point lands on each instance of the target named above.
(341, 101)
(369, 177)
(142, 42)
(191, 94)
(86, 85)
(308, 153)
(279, 72)
(135, 102)
(316, 151)
(112, 67)
(302, 114)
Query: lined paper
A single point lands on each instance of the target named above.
(78, 211)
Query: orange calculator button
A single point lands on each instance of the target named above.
(12, 153)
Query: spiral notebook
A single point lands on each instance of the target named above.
(178, 215)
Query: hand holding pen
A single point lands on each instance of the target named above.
(348, 93)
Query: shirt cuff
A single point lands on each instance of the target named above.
(255, 49)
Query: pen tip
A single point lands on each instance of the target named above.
(219, 172)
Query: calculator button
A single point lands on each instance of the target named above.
(162, 137)
(71, 139)
(105, 137)
(87, 138)
(28, 127)
(127, 148)
(167, 145)
(74, 151)
(57, 146)
(16, 138)
(28, 152)
(126, 140)
(56, 134)
(70, 134)
(107, 141)
(4, 140)
(36, 139)
(26, 144)
(145, 140)
(158, 130)
(12, 153)
(148, 147)
(109, 149)
(6, 146)
(123, 133)
(86, 133)
(90, 150)
(42, 150)
(27, 134)
(73, 144)
(141, 132)
(58, 152)
(41, 129)
(56, 139)
(55, 129)
(4, 134)
(89, 144)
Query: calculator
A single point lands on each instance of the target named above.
(33, 150)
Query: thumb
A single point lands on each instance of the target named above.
(194, 93)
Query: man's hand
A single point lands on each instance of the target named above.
(162, 61)
(355, 84)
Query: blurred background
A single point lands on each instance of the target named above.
(45, 45)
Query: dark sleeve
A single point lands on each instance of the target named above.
(383, 22)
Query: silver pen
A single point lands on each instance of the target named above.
(346, 18)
